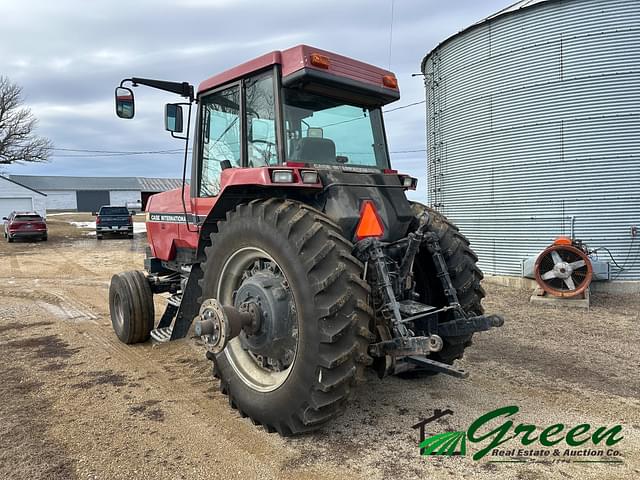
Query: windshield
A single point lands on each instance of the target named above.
(322, 130)
(114, 211)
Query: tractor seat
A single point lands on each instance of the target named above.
(315, 150)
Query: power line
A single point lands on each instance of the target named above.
(404, 106)
(410, 151)
(134, 152)
(391, 33)
(87, 153)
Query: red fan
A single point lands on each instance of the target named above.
(563, 269)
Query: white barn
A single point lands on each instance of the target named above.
(17, 197)
(87, 194)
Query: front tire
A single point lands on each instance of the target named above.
(131, 306)
(328, 299)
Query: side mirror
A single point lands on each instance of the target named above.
(173, 118)
(125, 105)
(5, 218)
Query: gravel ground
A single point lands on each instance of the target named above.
(76, 403)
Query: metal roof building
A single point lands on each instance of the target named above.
(533, 131)
(88, 194)
(16, 197)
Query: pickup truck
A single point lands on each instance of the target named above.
(112, 219)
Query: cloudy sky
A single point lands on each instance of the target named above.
(69, 55)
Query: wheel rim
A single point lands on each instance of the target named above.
(244, 363)
(117, 309)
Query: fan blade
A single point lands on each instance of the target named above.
(577, 264)
(549, 275)
(569, 282)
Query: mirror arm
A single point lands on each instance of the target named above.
(184, 89)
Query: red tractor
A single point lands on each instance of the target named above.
(293, 252)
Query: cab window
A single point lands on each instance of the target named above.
(260, 120)
(220, 137)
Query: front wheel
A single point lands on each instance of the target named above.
(298, 369)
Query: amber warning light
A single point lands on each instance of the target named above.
(321, 61)
(370, 224)
(390, 81)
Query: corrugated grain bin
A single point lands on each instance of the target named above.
(533, 130)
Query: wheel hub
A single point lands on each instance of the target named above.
(272, 338)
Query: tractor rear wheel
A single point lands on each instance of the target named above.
(298, 370)
(131, 306)
(464, 272)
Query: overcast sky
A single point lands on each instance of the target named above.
(69, 55)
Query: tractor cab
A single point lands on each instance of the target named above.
(301, 105)
(303, 119)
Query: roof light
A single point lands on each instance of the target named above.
(282, 176)
(320, 61)
(370, 224)
(390, 81)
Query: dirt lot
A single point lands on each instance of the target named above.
(78, 404)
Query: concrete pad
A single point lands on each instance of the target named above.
(541, 297)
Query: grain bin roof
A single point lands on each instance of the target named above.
(505, 11)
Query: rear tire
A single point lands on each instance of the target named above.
(329, 299)
(9, 238)
(45, 238)
(131, 306)
(465, 276)
(99, 236)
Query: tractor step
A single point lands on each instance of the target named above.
(162, 334)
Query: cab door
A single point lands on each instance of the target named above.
(237, 129)
(220, 142)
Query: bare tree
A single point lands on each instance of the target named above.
(18, 143)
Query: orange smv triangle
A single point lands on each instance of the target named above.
(370, 224)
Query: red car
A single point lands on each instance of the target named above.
(24, 225)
